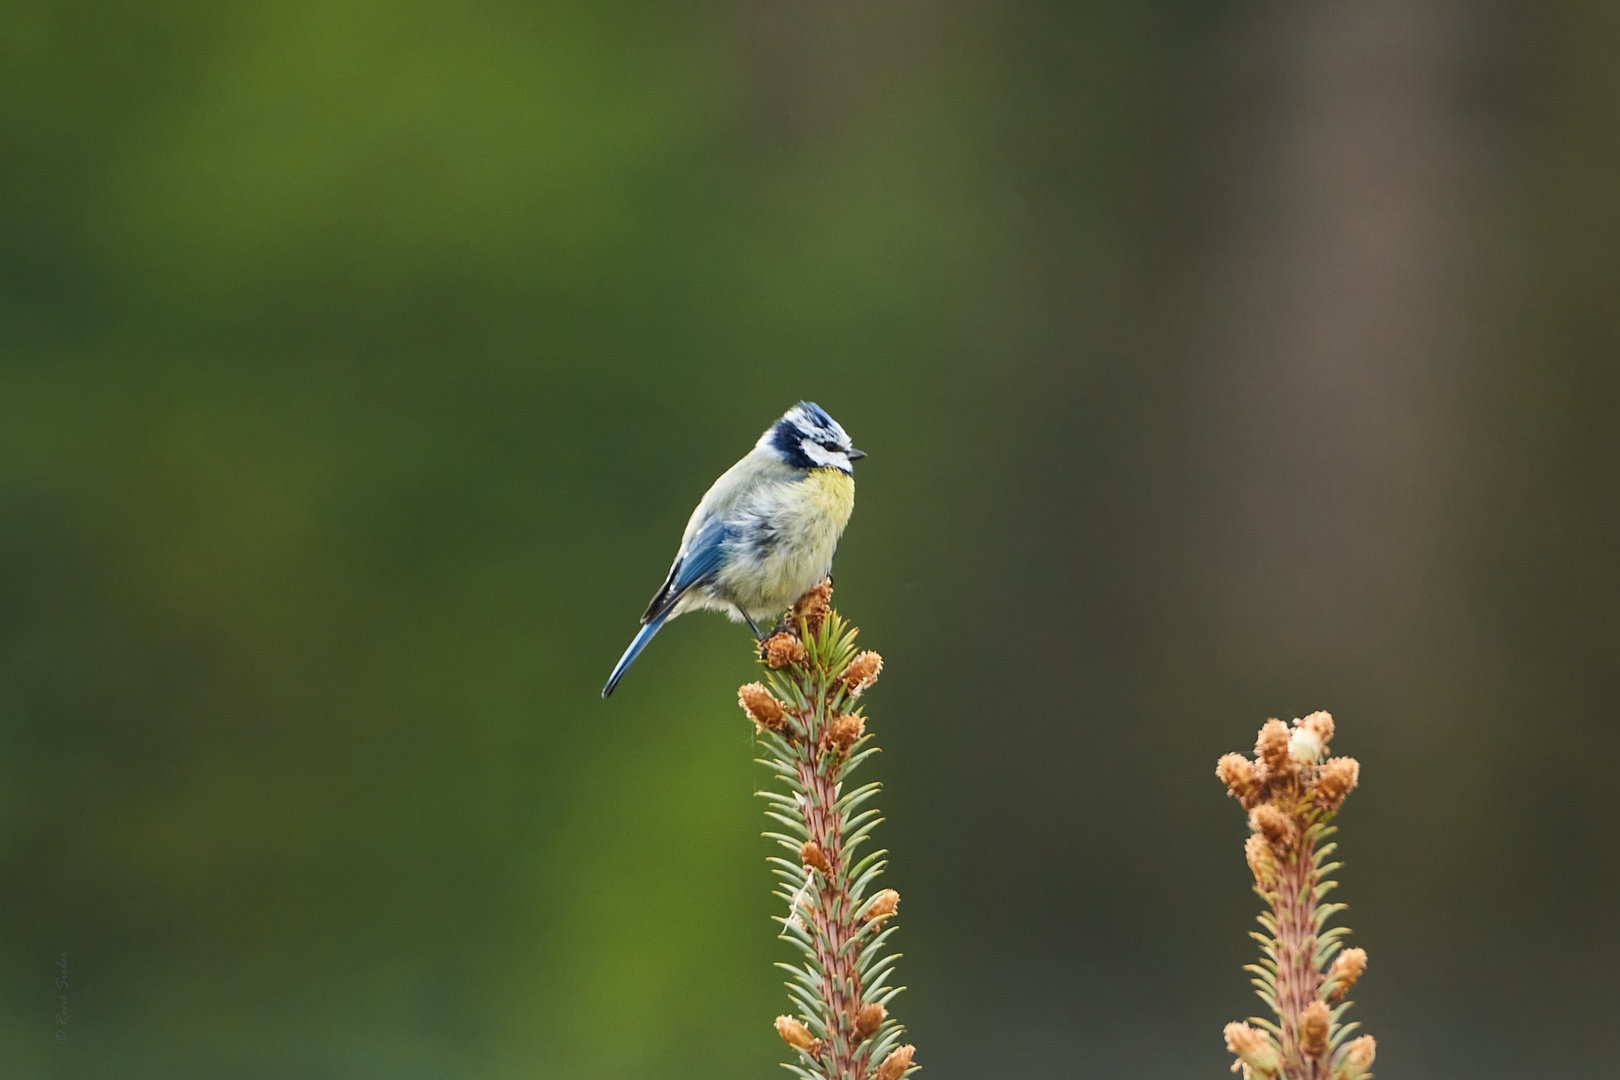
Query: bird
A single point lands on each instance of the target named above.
(766, 531)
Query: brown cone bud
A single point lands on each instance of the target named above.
(862, 672)
(843, 732)
(1271, 748)
(813, 606)
(763, 709)
(868, 1020)
(1347, 968)
(1338, 777)
(783, 649)
(1254, 1049)
(797, 1035)
(1356, 1059)
(895, 1065)
(1258, 854)
(1238, 774)
(1313, 1029)
(810, 854)
(882, 905)
(1310, 737)
(1272, 824)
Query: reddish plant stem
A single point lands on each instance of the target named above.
(1298, 980)
(834, 919)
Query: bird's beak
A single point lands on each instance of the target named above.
(854, 454)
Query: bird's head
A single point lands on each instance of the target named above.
(807, 438)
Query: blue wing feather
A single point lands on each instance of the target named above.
(699, 561)
(700, 558)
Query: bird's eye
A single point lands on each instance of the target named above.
(832, 448)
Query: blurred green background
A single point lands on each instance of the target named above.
(360, 362)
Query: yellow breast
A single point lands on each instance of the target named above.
(832, 493)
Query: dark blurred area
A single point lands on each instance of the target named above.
(360, 363)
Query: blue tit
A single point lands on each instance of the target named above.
(765, 533)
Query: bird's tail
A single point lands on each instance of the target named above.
(632, 652)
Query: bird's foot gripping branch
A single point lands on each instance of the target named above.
(1291, 790)
(814, 737)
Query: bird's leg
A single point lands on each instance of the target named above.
(751, 624)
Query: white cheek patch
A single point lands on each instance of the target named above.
(815, 452)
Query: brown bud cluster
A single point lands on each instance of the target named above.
(895, 1065)
(842, 733)
(763, 709)
(1256, 1054)
(1313, 1029)
(798, 1036)
(781, 649)
(1347, 968)
(811, 855)
(882, 906)
(1235, 771)
(1285, 765)
(814, 606)
(1337, 779)
(868, 1020)
(862, 672)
